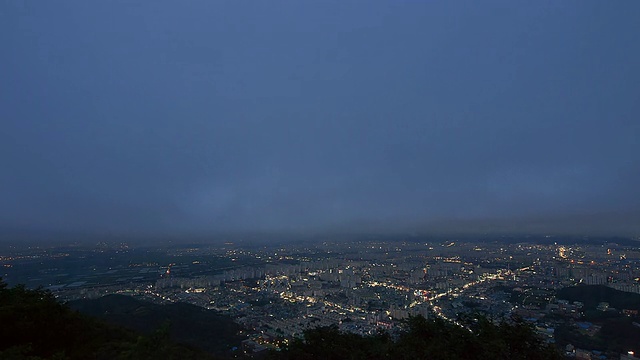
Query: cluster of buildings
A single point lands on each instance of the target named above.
(361, 287)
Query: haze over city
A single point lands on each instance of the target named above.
(155, 118)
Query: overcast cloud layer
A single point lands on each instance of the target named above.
(152, 117)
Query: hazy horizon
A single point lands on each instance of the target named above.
(155, 118)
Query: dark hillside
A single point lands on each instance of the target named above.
(592, 295)
(35, 326)
(190, 324)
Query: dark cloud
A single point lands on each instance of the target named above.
(152, 117)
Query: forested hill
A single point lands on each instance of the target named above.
(190, 324)
(591, 295)
(33, 325)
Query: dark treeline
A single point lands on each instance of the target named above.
(34, 325)
(427, 339)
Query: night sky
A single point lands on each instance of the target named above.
(199, 117)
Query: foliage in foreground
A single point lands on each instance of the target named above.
(33, 325)
(191, 325)
(427, 339)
